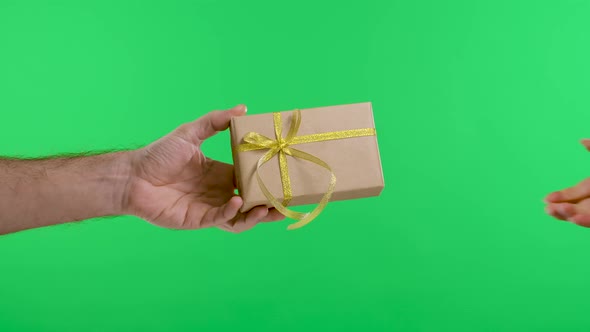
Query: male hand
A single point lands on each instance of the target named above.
(174, 185)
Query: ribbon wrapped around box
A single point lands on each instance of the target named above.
(308, 156)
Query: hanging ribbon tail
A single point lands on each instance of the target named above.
(308, 217)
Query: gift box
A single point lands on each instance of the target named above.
(307, 156)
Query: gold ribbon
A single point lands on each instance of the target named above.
(283, 147)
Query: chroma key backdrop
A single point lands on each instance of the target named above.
(479, 107)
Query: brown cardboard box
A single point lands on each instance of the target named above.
(355, 161)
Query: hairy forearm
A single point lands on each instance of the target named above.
(43, 192)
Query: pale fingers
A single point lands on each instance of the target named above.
(552, 211)
(561, 211)
(576, 213)
(572, 194)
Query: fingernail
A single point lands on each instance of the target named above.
(239, 108)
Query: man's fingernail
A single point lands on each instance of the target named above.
(242, 108)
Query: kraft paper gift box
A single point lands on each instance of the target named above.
(342, 138)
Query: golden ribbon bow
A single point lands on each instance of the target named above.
(283, 147)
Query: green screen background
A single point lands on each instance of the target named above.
(479, 106)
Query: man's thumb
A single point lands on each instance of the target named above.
(210, 124)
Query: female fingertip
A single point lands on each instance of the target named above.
(549, 210)
(552, 197)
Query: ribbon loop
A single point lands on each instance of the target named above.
(259, 140)
(282, 147)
